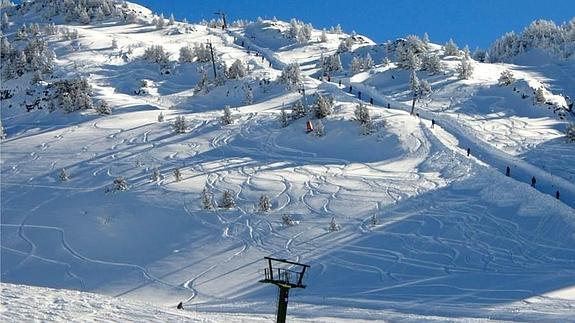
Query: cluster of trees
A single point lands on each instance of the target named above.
(299, 31)
(71, 95)
(198, 53)
(291, 77)
(156, 54)
(363, 116)
(540, 34)
(82, 11)
(359, 64)
(227, 201)
(330, 63)
(36, 57)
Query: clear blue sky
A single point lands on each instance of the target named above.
(473, 22)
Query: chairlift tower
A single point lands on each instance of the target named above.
(223, 16)
(285, 279)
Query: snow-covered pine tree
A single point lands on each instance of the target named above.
(506, 78)
(323, 37)
(64, 175)
(374, 220)
(172, 20)
(337, 29)
(466, 52)
(385, 61)
(228, 200)
(180, 124)
(248, 94)
(432, 64)
(120, 184)
(570, 132)
(298, 110)
(156, 175)
(424, 87)
(335, 63)
(333, 226)
(323, 106)
(203, 83)
(345, 45)
(177, 174)
(362, 113)
(356, 65)
(5, 21)
(237, 70)
(114, 43)
(265, 204)
(160, 22)
(319, 129)
(414, 85)
(161, 117)
(2, 132)
(540, 95)
(103, 108)
(367, 62)
(465, 69)
(284, 119)
(227, 117)
(186, 54)
(156, 54)
(291, 77)
(425, 40)
(207, 203)
(450, 48)
(287, 220)
(6, 50)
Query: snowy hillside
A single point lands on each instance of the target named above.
(128, 169)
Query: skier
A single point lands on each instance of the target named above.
(432, 123)
(371, 101)
(533, 181)
(359, 95)
(557, 195)
(180, 306)
(507, 171)
(388, 106)
(309, 126)
(468, 151)
(350, 88)
(339, 83)
(242, 43)
(329, 78)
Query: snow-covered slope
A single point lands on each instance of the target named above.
(425, 229)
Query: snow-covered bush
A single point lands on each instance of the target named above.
(287, 220)
(540, 95)
(156, 54)
(186, 54)
(323, 106)
(202, 53)
(228, 200)
(465, 69)
(265, 204)
(291, 77)
(227, 117)
(237, 70)
(180, 125)
(570, 132)
(506, 78)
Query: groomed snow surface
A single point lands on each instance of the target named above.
(454, 238)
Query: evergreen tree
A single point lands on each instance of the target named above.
(248, 95)
(156, 54)
(284, 119)
(160, 22)
(465, 69)
(333, 226)
(345, 45)
(337, 29)
(177, 174)
(172, 20)
(2, 132)
(156, 175)
(466, 52)
(506, 78)
(298, 110)
(356, 65)
(207, 203)
(540, 95)
(114, 43)
(432, 63)
(425, 40)
(5, 22)
(385, 61)
(120, 184)
(362, 113)
(414, 85)
(161, 117)
(227, 117)
(319, 129)
(64, 175)
(186, 54)
(450, 48)
(103, 108)
(291, 77)
(570, 132)
(265, 204)
(367, 62)
(323, 106)
(228, 200)
(424, 87)
(237, 70)
(323, 37)
(180, 124)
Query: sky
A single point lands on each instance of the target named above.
(476, 23)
